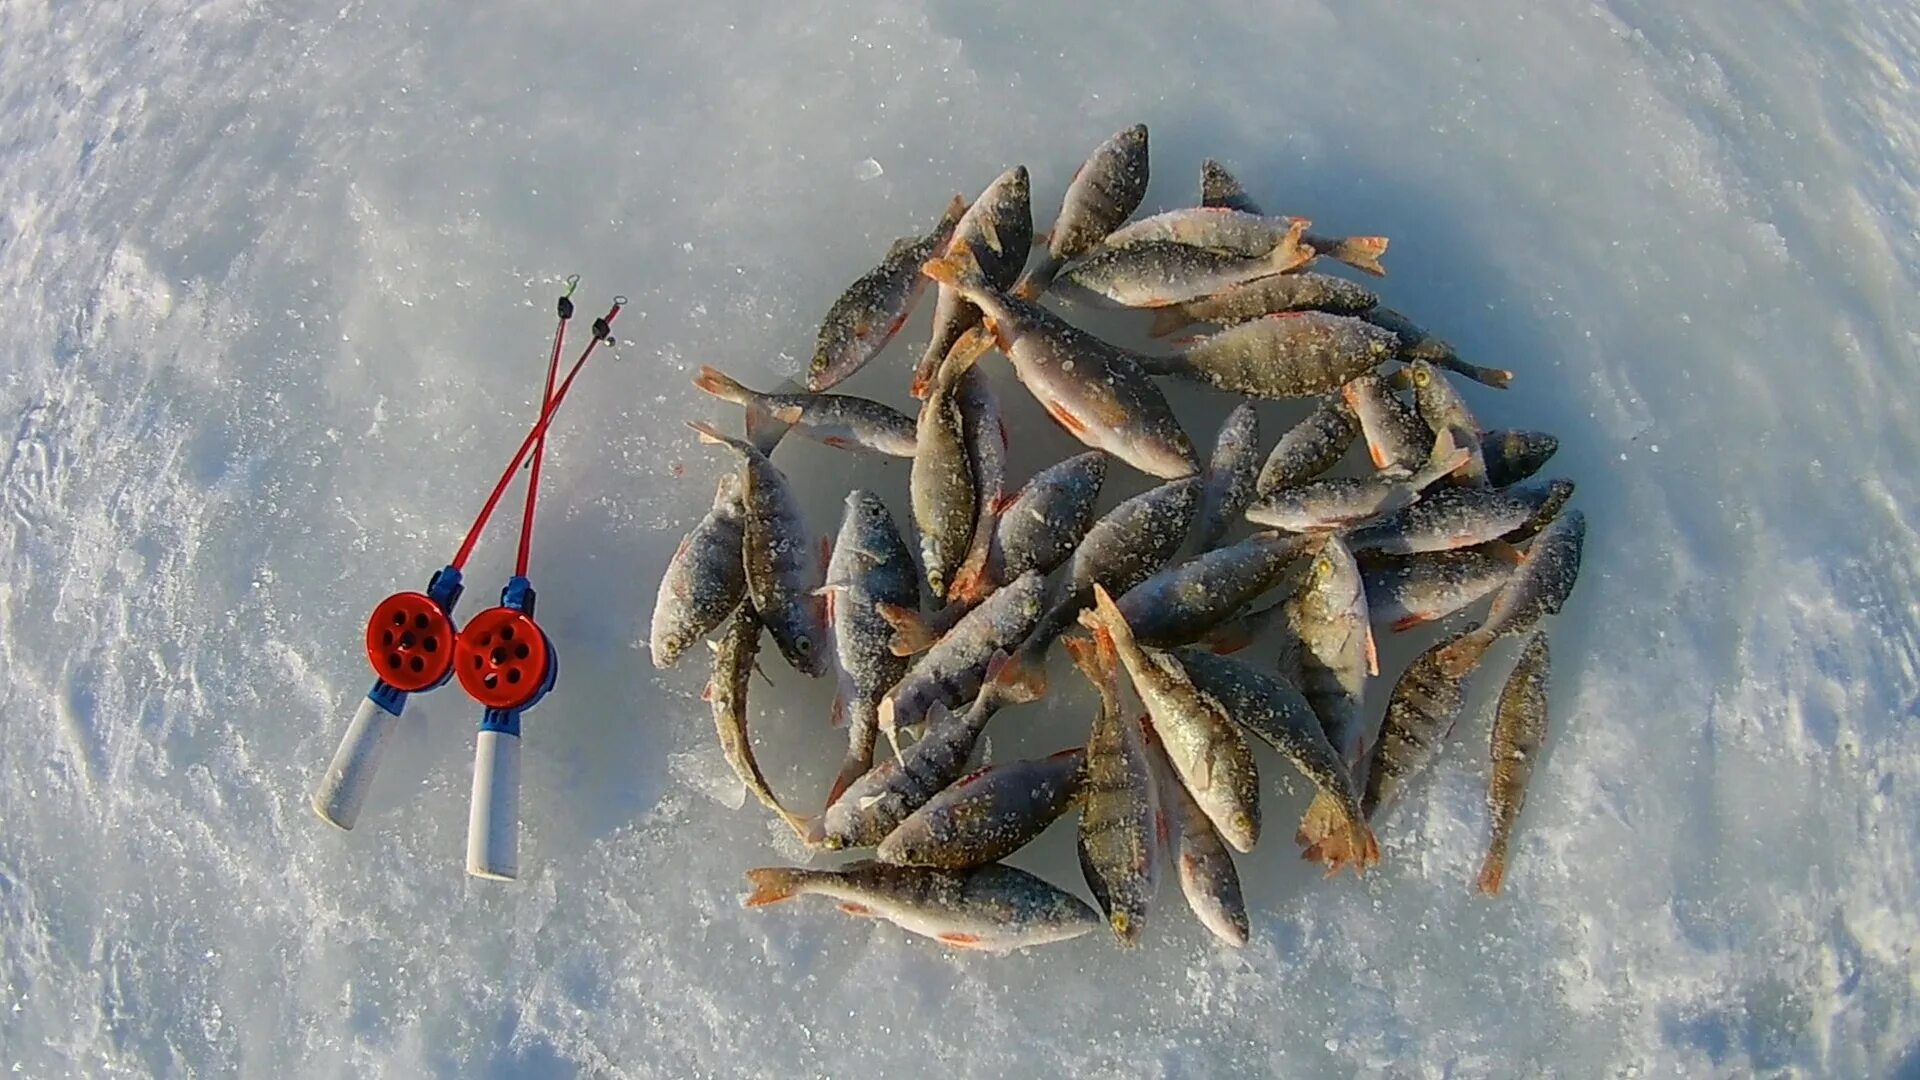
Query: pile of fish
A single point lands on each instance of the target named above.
(928, 641)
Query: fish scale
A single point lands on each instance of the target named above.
(990, 908)
(1291, 355)
(999, 228)
(1231, 473)
(988, 814)
(1204, 747)
(1096, 391)
(1104, 192)
(871, 566)
(1395, 546)
(1122, 820)
(783, 566)
(705, 578)
(950, 672)
(1519, 730)
(874, 308)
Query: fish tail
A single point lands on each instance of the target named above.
(1290, 252)
(1448, 456)
(1169, 320)
(975, 578)
(850, 771)
(772, 884)
(723, 386)
(765, 429)
(1016, 678)
(970, 347)
(956, 209)
(911, 634)
(1494, 870)
(859, 760)
(1368, 844)
(710, 434)
(889, 725)
(1464, 654)
(1362, 253)
(1038, 276)
(1327, 837)
(960, 359)
(1081, 651)
(1097, 659)
(1505, 552)
(958, 268)
(928, 367)
(970, 582)
(1105, 616)
(1498, 378)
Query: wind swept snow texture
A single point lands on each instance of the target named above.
(275, 291)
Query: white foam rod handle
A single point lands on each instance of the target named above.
(493, 823)
(343, 787)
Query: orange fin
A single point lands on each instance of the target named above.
(772, 884)
(960, 940)
(1505, 552)
(852, 908)
(969, 584)
(1408, 622)
(1018, 679)
(910, 633)
(1067, 420)
(1492, 873)
(1084, 652)
(1362, 253)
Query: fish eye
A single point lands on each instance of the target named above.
(803, 645)
(1420, 376)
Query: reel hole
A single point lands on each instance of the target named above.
(513, 674)
(521, 652)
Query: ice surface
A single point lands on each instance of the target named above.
(274, 292)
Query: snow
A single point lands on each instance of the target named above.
(274, 291)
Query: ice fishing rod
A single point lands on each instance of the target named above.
(410, 637)
(508, 664)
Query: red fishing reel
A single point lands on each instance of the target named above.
(503, 659)
(410, 642)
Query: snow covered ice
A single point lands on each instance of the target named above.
(275, 288)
